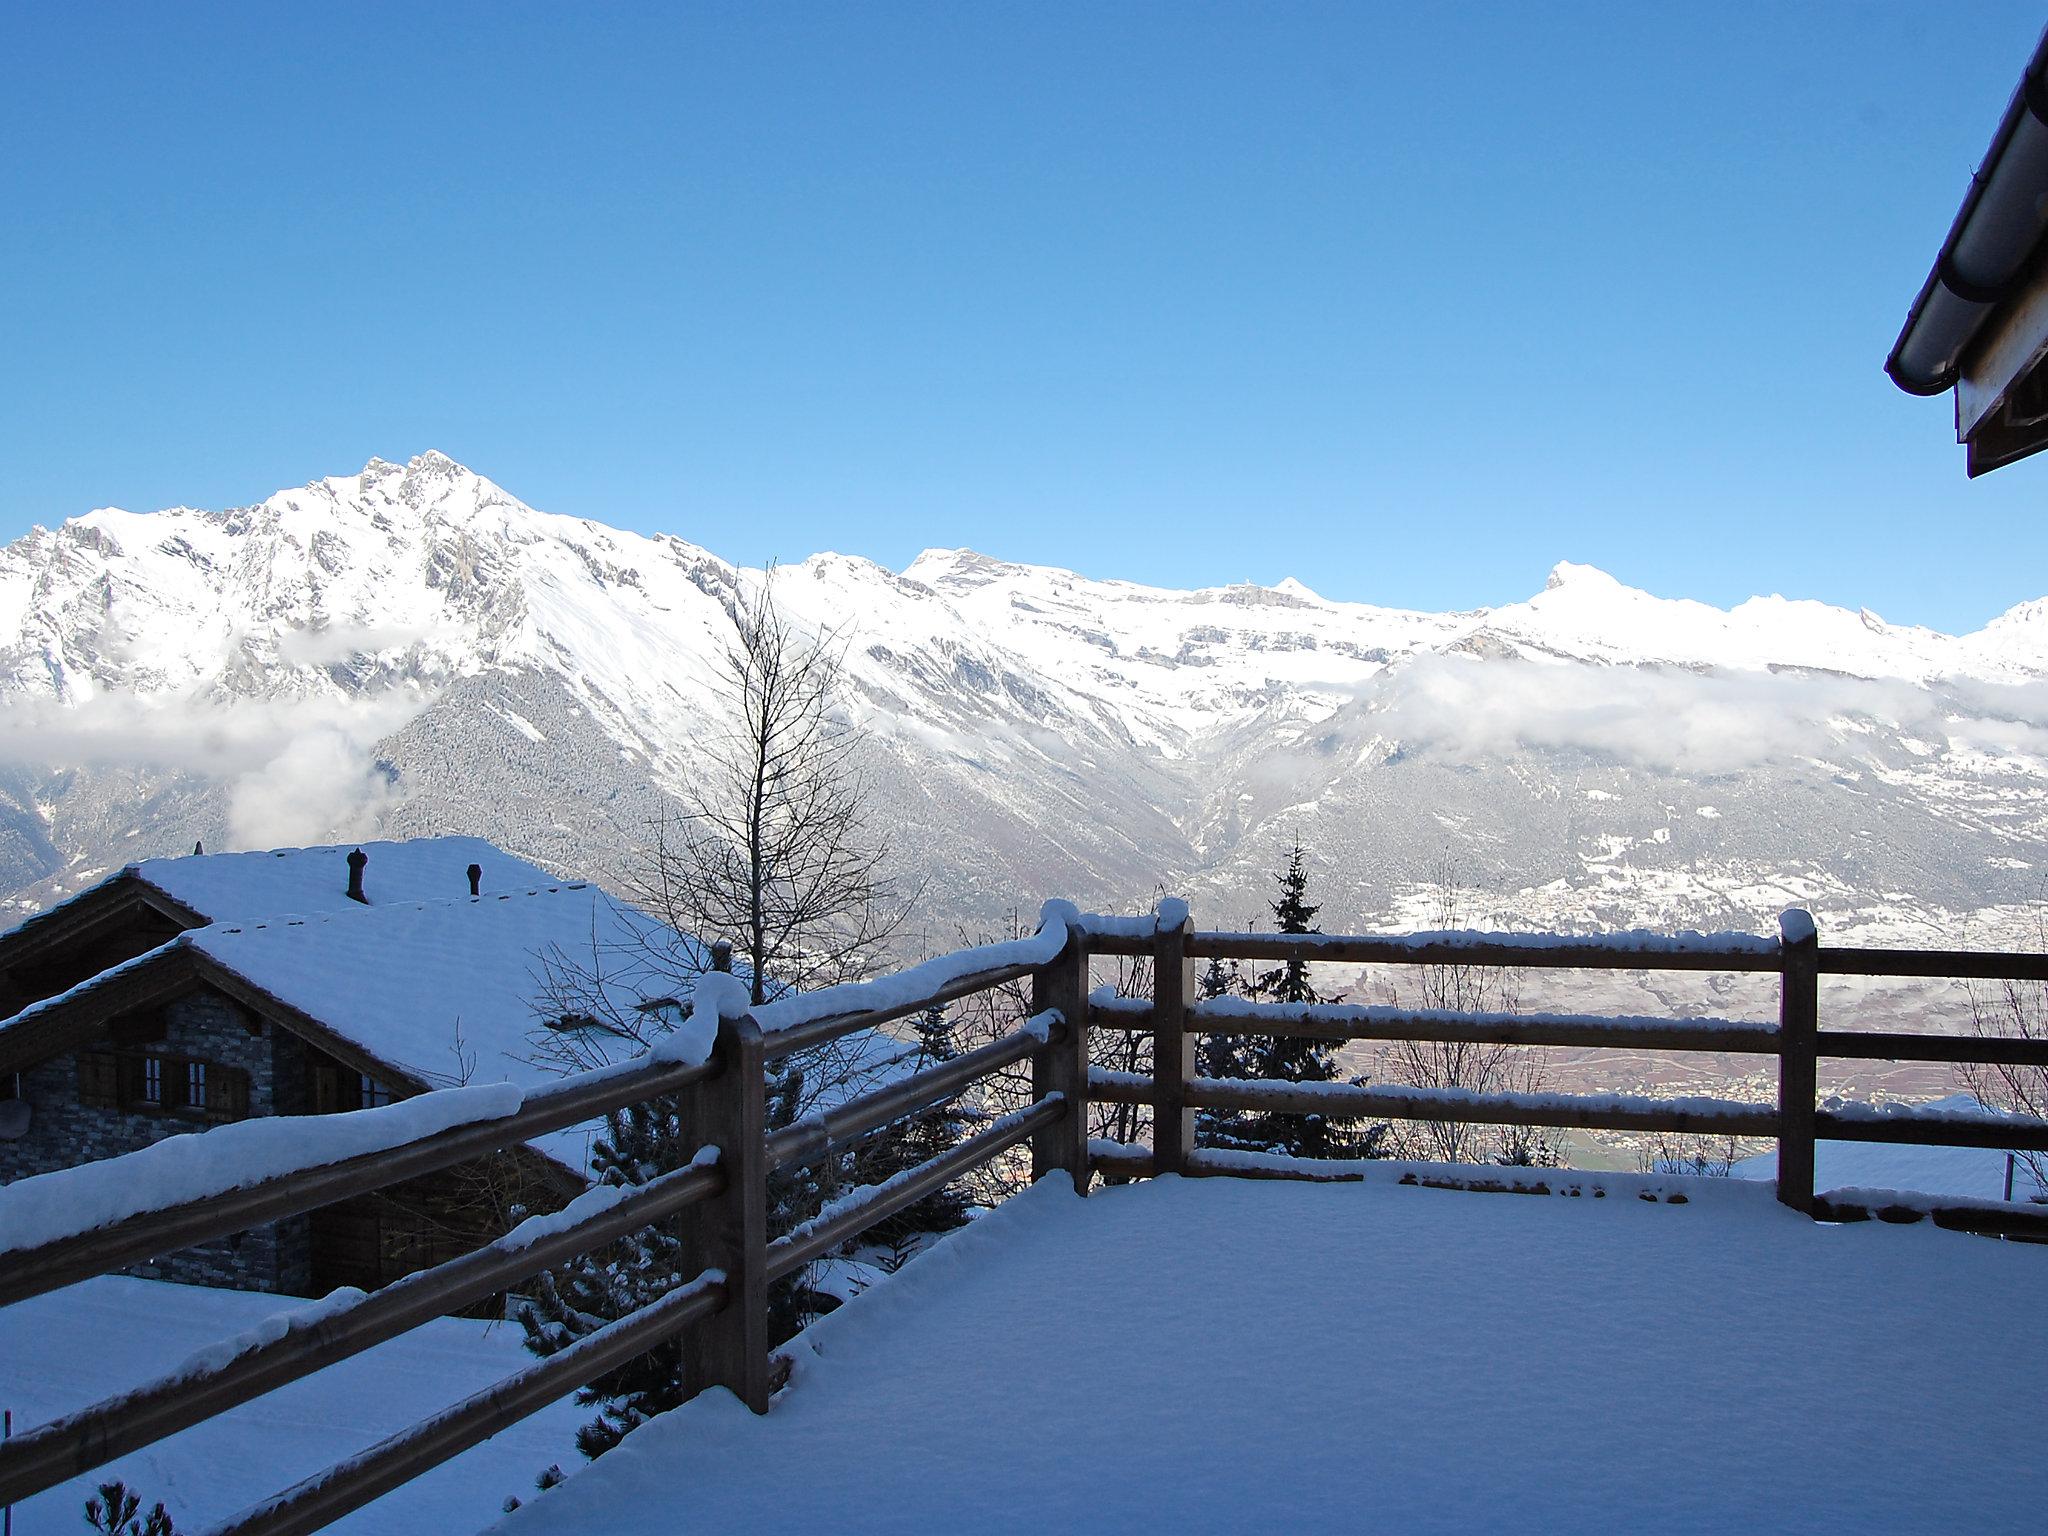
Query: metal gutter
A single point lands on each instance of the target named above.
(1989, 245)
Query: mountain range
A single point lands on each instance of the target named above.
(411, 649)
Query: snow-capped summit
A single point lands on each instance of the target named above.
(411, 648)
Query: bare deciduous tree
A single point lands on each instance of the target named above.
(775, 847)
(2013, 1010)
(1478, 1068)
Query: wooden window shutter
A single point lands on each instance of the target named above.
(227, 1092)
(99, 1079)
(326, 1088)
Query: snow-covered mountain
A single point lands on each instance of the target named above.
(411, 649)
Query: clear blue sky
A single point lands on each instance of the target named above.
(1407, 301)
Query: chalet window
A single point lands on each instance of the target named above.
(335, 1090)
(99, 1079)
(152, 1084)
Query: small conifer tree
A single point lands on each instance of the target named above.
(1226, 1056)
(1288, 1059)
(117, 1511)
(930, 1133)
(640, 1142)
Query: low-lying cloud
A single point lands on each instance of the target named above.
(1681, 721)
(296, 770)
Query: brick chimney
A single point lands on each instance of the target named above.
(356, 861)
(476, 879)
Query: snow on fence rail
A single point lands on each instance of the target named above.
(716, 1066)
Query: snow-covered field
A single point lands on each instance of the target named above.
(1225, 1356)
(68, 1349)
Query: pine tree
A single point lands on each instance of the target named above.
(1284, 1058)
(118, 1512)
(1226, 1056)
(640, 1142)
(926, 1135)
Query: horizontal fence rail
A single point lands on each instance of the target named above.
(319, 1336)
(1796, 1121)
(327, 1496)
(32, 1271)
(1343, 1022)
(718, 1198)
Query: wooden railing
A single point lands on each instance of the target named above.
(719, 1198)
(1175, 1093)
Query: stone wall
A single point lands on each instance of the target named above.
(203, 1026)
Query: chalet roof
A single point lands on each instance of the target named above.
(235, 887)
(423, 994)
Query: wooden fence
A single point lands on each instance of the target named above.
(1796, 1041)
(720, 1197)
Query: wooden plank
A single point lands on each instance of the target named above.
(326, 1496)
(2002, 354)
(789, 1254)
(1119, 1088)
(728, 1235)
(32, 1271)
(1536, 952)
(820, 1133)
(64, 1448)
(1173, 1060)
(1336, 1022)
(1592, 1113)
(1952, 964)
(1131, 1163)
(801, 1037)
(1935, 1131)
(1798, 1023)
(1062, 987)
(1887, 1045)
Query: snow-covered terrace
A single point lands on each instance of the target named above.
(1228, 1355)
(1598, 1351)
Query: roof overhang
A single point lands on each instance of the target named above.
(1979, 325)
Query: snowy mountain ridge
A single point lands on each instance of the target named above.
(412, 648)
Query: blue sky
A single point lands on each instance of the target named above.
(1407, 301)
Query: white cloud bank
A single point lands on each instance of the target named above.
(297, 770)
(1680, 721)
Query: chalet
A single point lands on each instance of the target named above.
(182, 993)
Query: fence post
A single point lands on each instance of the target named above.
(1798, 1020)
(1173, 1056)
(728, 1110)
(1062, 1067)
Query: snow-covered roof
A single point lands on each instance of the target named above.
(446, 990)
(239, 887)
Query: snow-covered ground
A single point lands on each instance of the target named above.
(1197, 1356)
(68, 1349)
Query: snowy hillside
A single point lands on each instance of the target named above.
(413, 650)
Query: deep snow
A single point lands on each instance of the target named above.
(1217, 1355)
(66, 1350)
